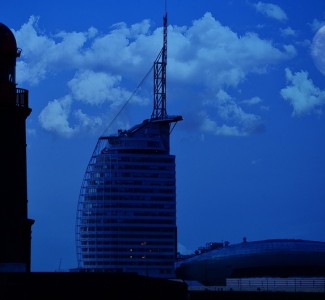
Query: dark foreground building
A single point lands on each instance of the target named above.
(60, 285)
(289, 258)
(14, 223)
(126, 217)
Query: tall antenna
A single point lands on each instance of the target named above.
(159, 106)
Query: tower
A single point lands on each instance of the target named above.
(126, 216)
(15, 250)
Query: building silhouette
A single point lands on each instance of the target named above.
(14, 223)
(219, 263)
(126, 216)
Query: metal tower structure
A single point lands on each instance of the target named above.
(160, 64)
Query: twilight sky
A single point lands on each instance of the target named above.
(247, 76)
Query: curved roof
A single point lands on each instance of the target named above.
(7, 40)
(265, 258)
(262, 247)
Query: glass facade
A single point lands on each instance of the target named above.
(126, 219)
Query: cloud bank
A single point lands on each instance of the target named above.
(104, 68)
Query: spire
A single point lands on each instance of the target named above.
(159, 107)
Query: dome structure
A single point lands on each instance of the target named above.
(265, 258)
(8, 55)
(7, 40)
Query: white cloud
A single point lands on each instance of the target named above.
(54, 117)
(302, 94)
(271, 10)
(32, 69)
(211, 126)
(43, 54)
(252, 101)
(87, 122)
(290, 50)
(288, 31)
(232, 118)
(124, 49)
(212, 55)
(92, 89)
(97, 87)
(105, 68)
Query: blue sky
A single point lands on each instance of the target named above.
(247, 76)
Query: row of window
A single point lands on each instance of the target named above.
(105, 216)
(121, 181)
(134, 251)
(120, 224)
(123, 204)
(126, 242)
(151, 167)
(112, 190)
(162, 159)
(153, 176)
(169, 235)
(134, 229)
(127, 200)
(127, 257)
(126, 263)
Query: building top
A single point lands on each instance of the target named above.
(7, 40)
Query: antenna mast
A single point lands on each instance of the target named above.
(159, 106)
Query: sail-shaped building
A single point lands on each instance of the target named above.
(126, 216)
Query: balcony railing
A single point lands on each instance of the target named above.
(21, 97)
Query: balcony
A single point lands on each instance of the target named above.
(22, 97)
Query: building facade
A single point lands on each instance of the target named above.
(126, 217)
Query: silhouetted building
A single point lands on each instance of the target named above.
(14, 223)
(126, 219)
(266, 258)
